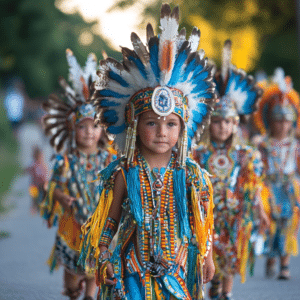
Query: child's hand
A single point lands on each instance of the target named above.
(208, 269)
(264, 221)
(110, 275)
(66, 201)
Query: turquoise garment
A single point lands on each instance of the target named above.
(151, 259)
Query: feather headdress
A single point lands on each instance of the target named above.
(279, 102)
(63, 113)
(237, 90)
(168, 75)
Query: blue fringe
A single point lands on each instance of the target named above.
(179, 182)
(107, 172)
(83, 254)
(192, 267)
(134, 194)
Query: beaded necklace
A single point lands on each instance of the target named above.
(156, 217)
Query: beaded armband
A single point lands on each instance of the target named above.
(109, 230)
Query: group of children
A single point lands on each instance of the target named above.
(177, 206)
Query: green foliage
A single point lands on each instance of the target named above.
(33, 38)
(8, 148)
(273, 20)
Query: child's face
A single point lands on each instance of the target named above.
(87, 134)
(158, 135)
(221, 129)
(281, 129)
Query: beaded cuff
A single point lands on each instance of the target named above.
(109, 230)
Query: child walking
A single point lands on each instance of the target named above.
(156, 198)
(73, 191)
(236, 173)
(277, 119)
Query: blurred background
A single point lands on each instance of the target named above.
(34, 35)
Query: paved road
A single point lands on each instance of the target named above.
(23, 270)
(24, 274)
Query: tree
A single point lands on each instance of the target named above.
(263, 32)
(33, 38)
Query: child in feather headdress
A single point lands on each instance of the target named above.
(236, 171)
(158, 200)
(73, 191)
(277, 119)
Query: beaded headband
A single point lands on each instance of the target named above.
(162, 100)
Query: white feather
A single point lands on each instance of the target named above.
(75, 73)
(194, 42)
(90, 68)
(238, 96)
(279, 78)
(169, 28)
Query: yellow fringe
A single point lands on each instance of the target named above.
(243, 249)
(265, 194)
(291, 246)
(51, 259)
(93, 227)
(202, 229)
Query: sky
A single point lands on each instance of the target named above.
(115, 26)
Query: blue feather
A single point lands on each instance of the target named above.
(190, 132)
(205, 94)
(200, 87)
(176, 73)
(197, 117)
(118, 78)
(110, 116)
(139, 65)
(116, 129)
(188, 69)
(109, 93)
(154, 61)
(201, 76)
(107, 103)
(194, 126)
(193, 67)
